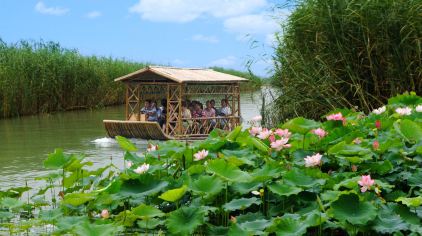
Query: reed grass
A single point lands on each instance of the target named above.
(347, 53)
(43, 77)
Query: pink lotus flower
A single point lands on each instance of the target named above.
(257, 118)
(200, 155)
(264, 134)
(152, 147)
(255, 130)
(378, 124)
(142, 169)
(337, 116)
(354, 168)
(404, 111)
(357, 141)
(320, 132)
(376, 145)
(366, 182)
(380, 110)
(129, 164)
(314, 160)
(418, 108)
(105, 214)
(283, 133)
(271, 138)
(278, 145)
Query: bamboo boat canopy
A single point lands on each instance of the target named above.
(180, 75)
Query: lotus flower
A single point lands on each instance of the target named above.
(256, 193)
(280, 144)
(379, 111)
(357, 141)
(283, 133)
(105, 214)
(404, 111)
(314, 160)
(271, 138)
(376, 145)
(233, 219)
(418, 108)
(337, 116)
(366, 182)
(200, 155)
(320, 132)
(129, 164)
(255, 130)
(354, 168)
(257, 118)
(152, 147)
(264, 134)
(378, 124)
(142, 169)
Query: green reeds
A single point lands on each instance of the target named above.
(347, 53)
(43, 77)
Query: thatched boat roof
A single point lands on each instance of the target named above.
(180, 75)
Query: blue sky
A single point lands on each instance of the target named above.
(183, 33)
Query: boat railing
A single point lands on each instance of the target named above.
(202, 126)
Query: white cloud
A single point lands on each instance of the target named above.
(56, 11)
(224, 62)
(205, 38)
(182, 11)
(93, 14)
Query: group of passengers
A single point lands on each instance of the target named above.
(193, 112)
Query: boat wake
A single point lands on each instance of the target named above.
(104, 142)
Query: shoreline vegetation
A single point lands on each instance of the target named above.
(43, 77)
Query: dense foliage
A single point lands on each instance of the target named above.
(353, 173)
(347, 53)
(42, 77)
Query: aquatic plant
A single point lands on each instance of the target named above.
(238, 184)
(346, 53)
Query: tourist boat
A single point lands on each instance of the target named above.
(175, 85)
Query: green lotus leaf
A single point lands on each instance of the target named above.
(145, 212)
(217, 230)
(235, 230)
(86, 228)
(185, 220)
(207, 185)
(352, 153)
(51, 215)
(125, 144)
(405, 99)
(150, 223)
(174, 194)
(349, 183)
(255, 227)
(68, 223)
(11, 203)
(241, 203)
(196, 169)
(284, 189)
(258, 144)
(348, 208)
(297, 177)
(410, 130)
(409, 216)
(227, 171)
(287, 226)
(145, 186)
(249, 217)
(57, 160)
(231, 137)
(410, 202)
(77, 199)
(244, 188)
(269, 171)
(416, 179)
(388, 221)
(301, 125)
(380, 167)
(5, 215)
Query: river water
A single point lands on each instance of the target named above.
(26, 141)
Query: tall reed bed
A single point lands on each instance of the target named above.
(347, 53)
(42, 77)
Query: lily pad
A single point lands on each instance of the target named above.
(287, 226)
(146, 212)
(388, 222)
(284, 189)
(410, 202)
(174, 194)
(301, 125)
(349, 208)
(185, 220)
(227, 171)
(297, 177)
(207, 185)
(241, 203)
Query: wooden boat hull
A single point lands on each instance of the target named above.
(135, 129)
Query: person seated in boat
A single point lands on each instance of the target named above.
(208, 112)
(224, 112)
(162, 113)
(197, 110)
(150, 110)
(186, 116)
(212, 101)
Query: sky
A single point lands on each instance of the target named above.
(181, 33)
